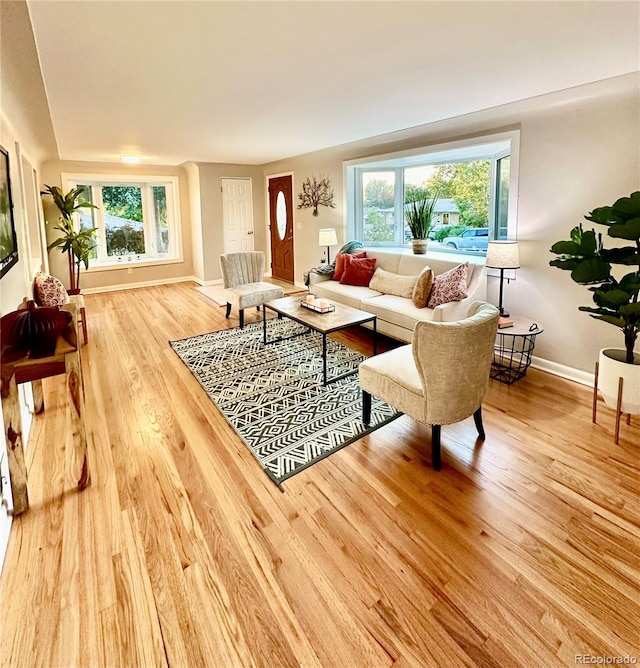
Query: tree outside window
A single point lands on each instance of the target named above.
(124, 227)
(473, 182)
(135, 220)
(378, 206)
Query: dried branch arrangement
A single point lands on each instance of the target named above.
(315, 192)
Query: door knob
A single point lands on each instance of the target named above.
(251, 232)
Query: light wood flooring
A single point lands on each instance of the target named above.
(522, 551)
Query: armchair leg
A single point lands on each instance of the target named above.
(228, 313)
(477, 418)
(241, 312)
(366, 408)
(435, 446)
(258, 308)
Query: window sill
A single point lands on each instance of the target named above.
(126, 264)
(476, 257)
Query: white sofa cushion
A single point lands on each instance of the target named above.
(349, 295)
(387, 260)
(398, 310)
(414, 264)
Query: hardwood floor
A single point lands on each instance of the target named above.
(523, 551)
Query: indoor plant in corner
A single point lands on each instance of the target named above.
(78, 244)
(418, 214)
(616, 299)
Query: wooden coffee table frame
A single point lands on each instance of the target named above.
(324, 323)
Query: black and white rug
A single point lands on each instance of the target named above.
(273, 395)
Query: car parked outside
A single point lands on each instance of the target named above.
(434, 230)
(475, 238)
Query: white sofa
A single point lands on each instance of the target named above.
(397, 316)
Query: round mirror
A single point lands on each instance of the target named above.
(281, 215)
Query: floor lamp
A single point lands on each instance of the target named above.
(503, 255)
(327, 237)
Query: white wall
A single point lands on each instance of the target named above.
(578, 151)
(25, 126)
(95, 278)
(575, 156)
(197, 247)
(211, 211)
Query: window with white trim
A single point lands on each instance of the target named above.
(136, 218)
(473, 181)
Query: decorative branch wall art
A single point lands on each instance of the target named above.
(316, 191)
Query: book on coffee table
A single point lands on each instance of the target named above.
(504, 322)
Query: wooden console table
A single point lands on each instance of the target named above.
(19, 368)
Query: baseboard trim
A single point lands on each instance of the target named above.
(142, 284)
(577, 376)
(203, 284)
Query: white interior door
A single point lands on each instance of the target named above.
(31, 206)
(237, 215)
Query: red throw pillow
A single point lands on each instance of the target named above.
(337, 272)
(358, 271)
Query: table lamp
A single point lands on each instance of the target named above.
(327, 237)
(502, 255)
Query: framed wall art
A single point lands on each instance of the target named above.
(8, 243)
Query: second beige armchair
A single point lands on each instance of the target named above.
(441, 377)
(242, 275)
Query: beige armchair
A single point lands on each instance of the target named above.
(441, 377)
(242, 275)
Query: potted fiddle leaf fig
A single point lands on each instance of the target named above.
(77, 243)
(615, 297)
(418, 213)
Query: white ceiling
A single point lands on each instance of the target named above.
(253, 82)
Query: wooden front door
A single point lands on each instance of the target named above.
(281, 227)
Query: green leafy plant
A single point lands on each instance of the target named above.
(450, 231)
(78, 244)
(590, 263)
(418, 213)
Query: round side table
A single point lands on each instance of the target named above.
(514, 348)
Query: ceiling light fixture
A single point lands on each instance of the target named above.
(131, 159)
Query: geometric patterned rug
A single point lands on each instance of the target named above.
(273, 395)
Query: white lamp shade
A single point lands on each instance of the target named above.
(327, 237)
(503, 255)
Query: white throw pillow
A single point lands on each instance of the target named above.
(393, 284)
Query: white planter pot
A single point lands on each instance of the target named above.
(612, 367)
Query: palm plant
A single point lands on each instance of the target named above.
(78, 244)
(419, 213)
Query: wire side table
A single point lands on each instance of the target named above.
(513, 349)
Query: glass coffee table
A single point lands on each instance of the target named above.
(340, 318)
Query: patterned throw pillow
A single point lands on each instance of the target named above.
(422, 288)
(450, 286)
(338, 271)
(48, 290)
(358, 271)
